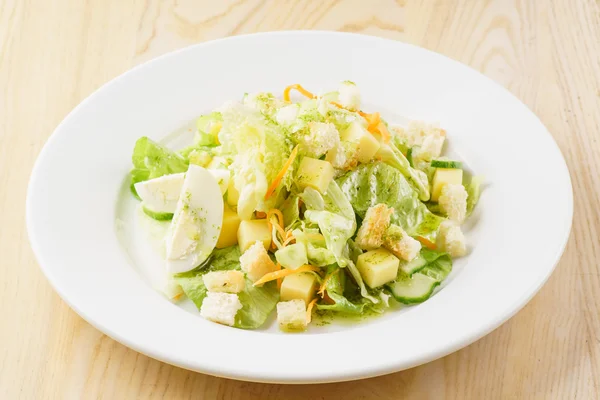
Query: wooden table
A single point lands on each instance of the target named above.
(55, 53)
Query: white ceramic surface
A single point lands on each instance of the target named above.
(97, 252)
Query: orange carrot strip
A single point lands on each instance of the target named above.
(283, 273)
(385, 134)
(426, 242)
(321, 291)
(261, 215)
(281, 173)
(309, 310)
(374, 120)
(299, 88)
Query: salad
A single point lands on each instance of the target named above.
(297, 207)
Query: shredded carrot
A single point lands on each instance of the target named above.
(374, 120)
(385, 134)
(426, 242)
(283, 273)
(281, 173)
(261, 215)
(298, 87)
(309, 310)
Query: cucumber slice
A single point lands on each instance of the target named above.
(446, 164)
(414, 289)
(159, 216)
(413, 266)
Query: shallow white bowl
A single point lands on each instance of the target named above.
(78, 203)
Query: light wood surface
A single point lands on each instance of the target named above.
(55, 53)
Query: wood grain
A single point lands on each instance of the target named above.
(54, 53)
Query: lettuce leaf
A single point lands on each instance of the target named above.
(335, 291)
(152, 160)
(473, 193)
(390, 155)
(257, 302)
(439, 264)
(371, 184)
(336, 219)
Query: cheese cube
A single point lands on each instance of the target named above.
(291, 315)
(224, 281)
(255, 262)
(377, 267)
(300, 286)
(229, 230)
(314, 173)
(442, 177)
(221, 307)
(250, 231)
(368, 145)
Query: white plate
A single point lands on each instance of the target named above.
(78, 190)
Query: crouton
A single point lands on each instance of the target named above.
(221, 307)
(291, 315)
(371, 232)
(400, 243)
(453, 201)
(256, 262)
(224, 281)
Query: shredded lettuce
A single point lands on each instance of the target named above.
(259, 149)
(257, 302)
(152, 160)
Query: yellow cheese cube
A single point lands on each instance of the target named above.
(252, 230)
(229, 229)
(442, 177)
(232, 194)
(377, 267)
(368, 145)
(314, 173)
(299, 286)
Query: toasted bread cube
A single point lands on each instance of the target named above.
(400, 243)
(314, 173)
(452, 240)
(300, 286)
(255, 262)
(371, 232)
(453, 201)
(229, 230)
(377, 267)
(291, 315)
(221, 307)
(224, 281)
(252, 230)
